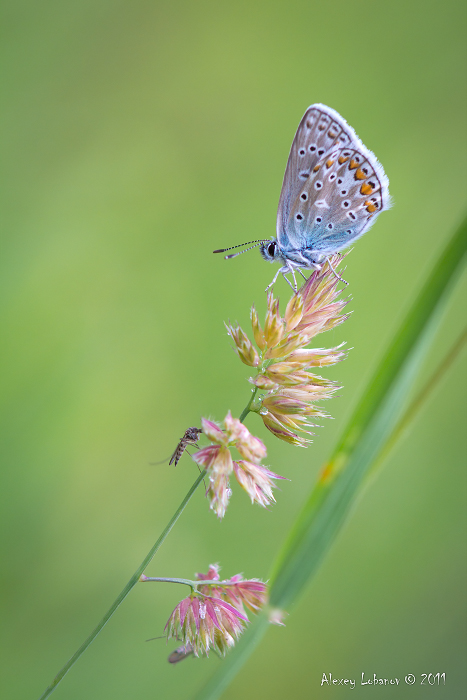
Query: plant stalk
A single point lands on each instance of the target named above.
(137, 576)
(121, 597)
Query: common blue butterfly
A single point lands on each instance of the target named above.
(333, 190)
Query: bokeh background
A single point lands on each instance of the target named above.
(138, 137)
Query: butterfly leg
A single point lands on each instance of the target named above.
(284, 273)
(294, 281)
(334, 272)
(304, 276)
(274, 280)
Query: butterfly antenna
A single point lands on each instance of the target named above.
(224, 250)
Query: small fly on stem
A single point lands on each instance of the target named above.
(190, 437)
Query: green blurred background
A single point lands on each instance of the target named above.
(139, 137)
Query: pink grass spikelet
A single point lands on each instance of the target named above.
(213, 616)
(217, 460)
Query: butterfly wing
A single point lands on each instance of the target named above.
(320, 130)
(336, 197)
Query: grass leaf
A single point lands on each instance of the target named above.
(341, 479)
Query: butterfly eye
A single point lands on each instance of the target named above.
(271, 249)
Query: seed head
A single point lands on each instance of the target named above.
(284, 361)
(217, 460)
(214, 616)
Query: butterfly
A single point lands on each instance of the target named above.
(333, 190)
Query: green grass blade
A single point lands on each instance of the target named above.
(368, 431)
(369, 428)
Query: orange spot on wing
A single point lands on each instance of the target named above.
(366, 189)
(360, 175)
(342, 160)
(370, 207)
(353, 164)
(316, 168)
(329, 162)
(332, 135)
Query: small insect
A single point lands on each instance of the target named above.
(180, 653)
(333, 190)
(190, 437)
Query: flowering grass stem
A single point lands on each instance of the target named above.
(193, 584)
(138, 574)
(129, 586)
(246, 410)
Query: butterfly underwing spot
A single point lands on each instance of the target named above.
(299, 217)
(366, 189)
(329, 162)
(330, 227)
(343, 193)
(304, 196)
(305, 174)
(302, 151)
(351, 215)
(333, 177)
(349, 231)
(318, 185)
(318, 219)
(339, 182)
(359, 175)
(331, 134)
(345, 204)
(312, 148)
(320, 151)
(322, 204)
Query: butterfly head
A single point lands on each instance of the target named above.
(270, 251)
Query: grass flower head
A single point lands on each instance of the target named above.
(217, 459)
(286, 366)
